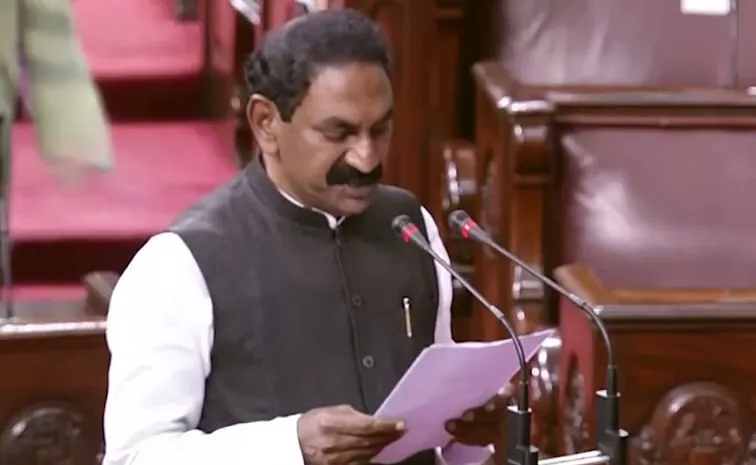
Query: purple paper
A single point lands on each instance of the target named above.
(444, 382)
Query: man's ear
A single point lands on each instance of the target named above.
(265, 122)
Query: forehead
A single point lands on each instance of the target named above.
(354, 91)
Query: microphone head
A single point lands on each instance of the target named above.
(403, 227)
(400, 223)
(457, 219)
(461, 222)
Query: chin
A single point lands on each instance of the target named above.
(352, 207)
(354, 200)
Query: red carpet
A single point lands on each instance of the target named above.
(60, 233)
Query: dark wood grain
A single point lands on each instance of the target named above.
(686, 375)
(53, 384)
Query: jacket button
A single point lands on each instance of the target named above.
(367, 361)
(357, 301)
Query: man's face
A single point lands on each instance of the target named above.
(332, 152)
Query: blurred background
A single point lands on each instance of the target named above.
(609, 143)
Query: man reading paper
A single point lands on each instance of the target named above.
(272, 318)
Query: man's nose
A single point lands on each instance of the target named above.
(363, 155)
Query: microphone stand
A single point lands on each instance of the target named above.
(5, 239)
(518, 451)
(611, 439)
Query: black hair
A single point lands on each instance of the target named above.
(283, 66)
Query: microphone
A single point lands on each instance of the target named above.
(519, 450)
(612, 440)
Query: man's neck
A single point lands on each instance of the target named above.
(270, 169)
(333, 221)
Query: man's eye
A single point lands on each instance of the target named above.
(336, 136)
(380, 130)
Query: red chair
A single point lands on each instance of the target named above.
(165, 69)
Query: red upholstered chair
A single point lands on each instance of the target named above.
(165, 68)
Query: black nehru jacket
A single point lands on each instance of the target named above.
(306, 316)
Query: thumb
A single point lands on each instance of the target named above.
(361, 424)
(384, 425)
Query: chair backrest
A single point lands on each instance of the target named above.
(625, 42)
(660, 208)
(160, 59)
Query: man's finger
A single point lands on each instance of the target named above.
(384, 426)
(359, 424)
(375, 442)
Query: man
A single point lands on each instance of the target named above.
(41, 60)
(267, 323)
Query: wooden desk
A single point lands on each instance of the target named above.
(685, 370)
(53, 384)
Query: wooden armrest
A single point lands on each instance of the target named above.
(573, 103)
(506, 93)
(577, 278)
(636, 97)
(99, 287)
(581, 281)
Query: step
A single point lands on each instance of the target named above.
(61, 232)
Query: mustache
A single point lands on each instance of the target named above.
(342, 173)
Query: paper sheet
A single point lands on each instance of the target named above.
(443, 382)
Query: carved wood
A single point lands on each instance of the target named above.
(54, 382)
(458, 189)
(48, 434)
(512, 136)
(682, 402)
(525, 122)
(489, 277)
(544, 391)
(698, 423)
(575, 435)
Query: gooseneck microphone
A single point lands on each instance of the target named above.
(519, 450)
(611, 439)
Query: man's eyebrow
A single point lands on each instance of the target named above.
(335, 121)
(386, 117)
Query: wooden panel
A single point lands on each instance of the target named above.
(53, 385)
(682, 401)
(513, 174)
(444, 114)
(527, 121)
(445, 77)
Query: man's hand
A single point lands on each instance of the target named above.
(343, 436)
(484, 425)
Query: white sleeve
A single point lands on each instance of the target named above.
(445, 292)
(454, 454)
(160, 336)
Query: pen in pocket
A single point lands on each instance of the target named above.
(407, 316)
